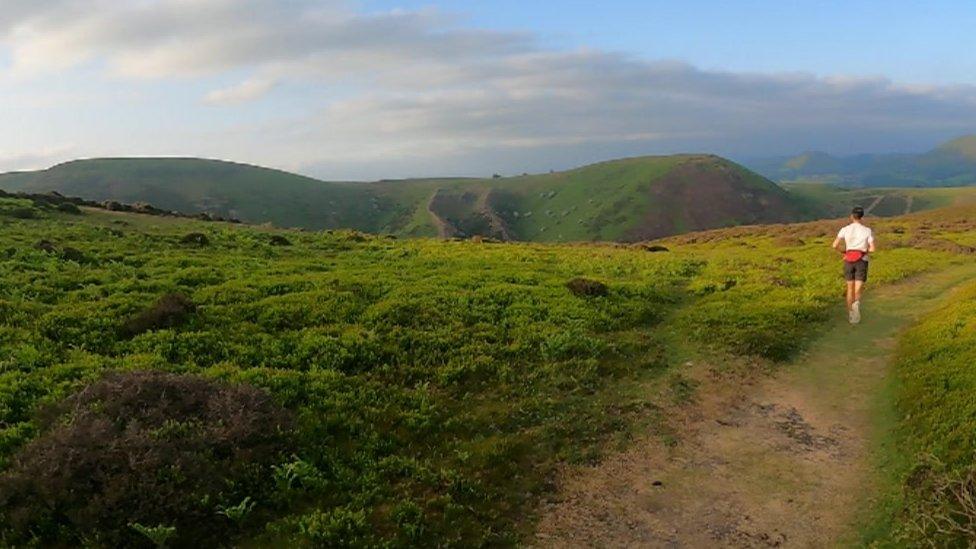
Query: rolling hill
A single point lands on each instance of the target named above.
(828, 201)
(626, 200)
(950, 164)
(623, 200)
(192, 185)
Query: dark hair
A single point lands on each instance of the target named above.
(857, 212)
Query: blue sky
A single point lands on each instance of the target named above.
(361, 89)
(906, 40)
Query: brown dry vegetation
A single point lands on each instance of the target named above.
(709, 194)
(146, 448)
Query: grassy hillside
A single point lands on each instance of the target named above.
(192, 185)
(934, 486)
(627, 200)
(950, 164)
(828, 201)
(962, 147)
(622, 200)
(414, 391)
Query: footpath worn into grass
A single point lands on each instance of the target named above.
(790, 459)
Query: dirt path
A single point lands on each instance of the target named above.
(498, 225)
(781, 460)
(444, 227)
(877, 200)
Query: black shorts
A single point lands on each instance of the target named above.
(857, 270)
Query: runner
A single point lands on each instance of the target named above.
(858, 242)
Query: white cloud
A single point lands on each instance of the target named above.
(421, 93)
(245, 91)
(160, 38)
(39, 159)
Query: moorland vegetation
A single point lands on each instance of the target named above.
(407, 390)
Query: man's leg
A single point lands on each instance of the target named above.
(850, 293)
(858, 284)
(855, 313)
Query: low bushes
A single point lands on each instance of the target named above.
(170, 310)
(278, 240)
(587, 287)
(68, 207)
(937, 382)
(195, 239)
(435, 386)
(18, 208)
(145, 449)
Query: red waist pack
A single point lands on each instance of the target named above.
(853, 256)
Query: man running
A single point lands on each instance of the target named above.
(858, 243)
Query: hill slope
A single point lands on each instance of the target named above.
(630, 199)
(829, 201)
(622, 200)
(192, 185)
(950, 164)
(436, 386)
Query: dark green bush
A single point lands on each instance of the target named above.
(196, 239)
(146, 448)
(22, 213)
(170, 310)
(73, 254)
(656, 248)
(68, 207)
(587, 287)
(46, 246)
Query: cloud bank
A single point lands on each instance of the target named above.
(413, 93)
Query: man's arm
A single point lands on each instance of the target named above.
(837, 245)
(871, 246)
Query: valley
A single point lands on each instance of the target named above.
(950, 164)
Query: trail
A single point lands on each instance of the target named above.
(445, 229)
(877, 200)
(498, 225)
(776, 460)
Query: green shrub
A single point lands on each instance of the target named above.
(587, 287)
(18, 208)
(145, 448)
(936, 387)
(68, 207)
(195, 239)
(170, 310)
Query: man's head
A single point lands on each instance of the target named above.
(857, 213)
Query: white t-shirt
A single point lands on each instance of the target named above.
(857, 237)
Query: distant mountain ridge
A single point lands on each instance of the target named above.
(621, 200)
(950, 164)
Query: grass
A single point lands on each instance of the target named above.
(951, 164)
(438, 384)
(195, 185)
(828, 200)
(608, 201)
(597, 202)
(601, 202)
(929, 457)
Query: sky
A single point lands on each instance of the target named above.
(368, 89)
